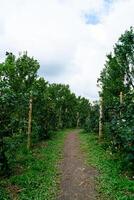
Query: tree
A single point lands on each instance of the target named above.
(117, 89)
(16, 80)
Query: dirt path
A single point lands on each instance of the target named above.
(78, 180)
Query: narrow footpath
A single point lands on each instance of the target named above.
(77, 179)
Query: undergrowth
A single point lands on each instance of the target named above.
(111, 184)
(35, 175)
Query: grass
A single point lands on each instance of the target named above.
(36, 174)
(111, 184)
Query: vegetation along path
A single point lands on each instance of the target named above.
(78, 180)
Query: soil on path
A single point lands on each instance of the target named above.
(78, 180)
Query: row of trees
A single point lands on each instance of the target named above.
(117, 93)
(32, 108)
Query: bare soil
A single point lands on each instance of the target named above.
(77, 179)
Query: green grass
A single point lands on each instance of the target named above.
(36, 174)
(111, 185)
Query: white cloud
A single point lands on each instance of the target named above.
(55, 32)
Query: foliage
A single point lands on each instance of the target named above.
(117, 89)
(54, 106)
(92, 121)
(16, 80)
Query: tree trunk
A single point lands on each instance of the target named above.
(29, 124)
(101, 118)
(121, 97)
(121, 101)
(78, 119)
(60, 120)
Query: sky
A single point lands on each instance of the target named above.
(69, 38)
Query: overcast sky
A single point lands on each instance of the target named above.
(70, 38)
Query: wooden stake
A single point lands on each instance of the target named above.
(121, 101)
(100, 119)
(29, 124)
(60, 121)
(78, 119)
(121, 97)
